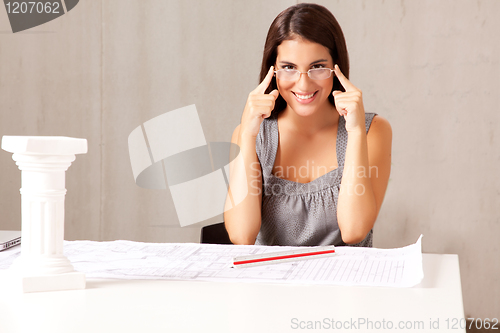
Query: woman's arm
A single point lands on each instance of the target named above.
(242, 219)
(366, 168)
(242, 212)
(366, 173)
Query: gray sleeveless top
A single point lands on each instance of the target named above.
(300, 214)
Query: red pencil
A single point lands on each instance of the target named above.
(277, 257)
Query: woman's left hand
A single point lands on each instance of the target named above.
(350, 104)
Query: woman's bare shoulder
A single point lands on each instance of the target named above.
(236, 133)
(380, 127)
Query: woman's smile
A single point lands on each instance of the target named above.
(305, 98)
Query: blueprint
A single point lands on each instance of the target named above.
(355, 266)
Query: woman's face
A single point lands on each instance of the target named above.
(304, 95)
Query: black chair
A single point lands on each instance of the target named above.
(214, 234)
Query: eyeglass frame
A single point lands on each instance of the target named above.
(308, 73)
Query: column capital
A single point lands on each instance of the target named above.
(45, 145)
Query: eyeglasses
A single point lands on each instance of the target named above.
(294, 75)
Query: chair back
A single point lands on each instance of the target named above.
(214, 234)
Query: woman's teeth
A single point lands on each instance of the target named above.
(304, 96)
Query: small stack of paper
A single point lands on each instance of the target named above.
(355, 266)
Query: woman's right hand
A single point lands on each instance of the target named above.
(259, 106)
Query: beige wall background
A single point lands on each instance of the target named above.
(430, 67)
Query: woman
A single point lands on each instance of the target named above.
(314, 167)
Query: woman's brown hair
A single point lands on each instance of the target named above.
(311, 22)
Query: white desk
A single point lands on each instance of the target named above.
(181, 306)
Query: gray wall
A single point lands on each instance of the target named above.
(430, 67)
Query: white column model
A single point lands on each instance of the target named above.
(43, 162)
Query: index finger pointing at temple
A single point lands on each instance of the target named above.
(261, 88)
(343, 80)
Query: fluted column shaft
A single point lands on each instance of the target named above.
(42, 201)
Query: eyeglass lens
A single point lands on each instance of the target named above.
(293, 74)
